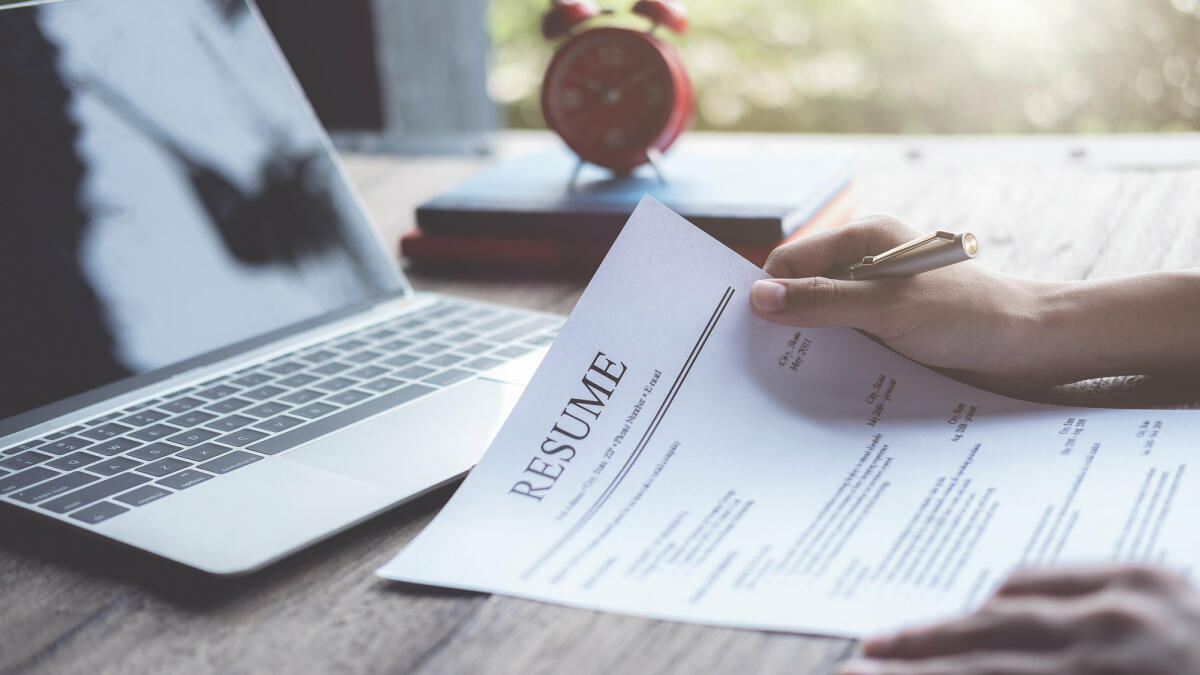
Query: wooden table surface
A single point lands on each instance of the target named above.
(1062, 208)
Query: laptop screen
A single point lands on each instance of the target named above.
(165, 192)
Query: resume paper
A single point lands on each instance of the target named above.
(677, 457)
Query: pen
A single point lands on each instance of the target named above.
(919, 255)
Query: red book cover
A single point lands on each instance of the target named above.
(427, 250)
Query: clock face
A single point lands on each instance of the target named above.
(613, 94)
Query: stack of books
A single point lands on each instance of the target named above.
(527, 214)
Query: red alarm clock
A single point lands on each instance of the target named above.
(618, 97)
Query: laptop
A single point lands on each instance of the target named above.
(207, 352)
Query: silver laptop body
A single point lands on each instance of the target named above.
(208, 354)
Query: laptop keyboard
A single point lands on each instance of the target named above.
(142, 453)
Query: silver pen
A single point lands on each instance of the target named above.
(919, 255)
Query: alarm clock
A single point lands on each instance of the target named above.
(618, 97)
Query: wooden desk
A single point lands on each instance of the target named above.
(1050, 208)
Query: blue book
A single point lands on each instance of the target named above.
(745, 193)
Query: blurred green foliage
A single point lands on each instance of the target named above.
(937, 66)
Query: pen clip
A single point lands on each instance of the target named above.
(908, 246)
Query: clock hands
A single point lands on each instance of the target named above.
(612, 95)
(632, 80)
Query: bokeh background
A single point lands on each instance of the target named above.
(905, 66)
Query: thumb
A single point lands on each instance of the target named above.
(818, 301)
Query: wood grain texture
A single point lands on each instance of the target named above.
(71, 604)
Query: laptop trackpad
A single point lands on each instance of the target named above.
(420, 444)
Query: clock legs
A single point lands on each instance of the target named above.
(653, 157)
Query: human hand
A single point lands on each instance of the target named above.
(1060, 621)
(964, 317)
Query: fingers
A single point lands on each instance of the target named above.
(818, 301)
(964, 664)
(833, 250)
(1071, 581)
(1023, 624)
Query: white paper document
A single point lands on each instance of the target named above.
(675, 456)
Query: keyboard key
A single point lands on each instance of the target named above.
(180, 392)
(498, 322)
(302, 396)
(482, 363)
(367, 373)
(281, 423)
(99, 513)
(141, 419)
(191, 419)
(285, 368)
(335, 383)
(350, 345)
(331, 368)
(94, 492)
(113, 465)
(445, 360)
(263, 393)
(349, 397)
(154, 432)
(55, 436)
(319, 356)
(425, 334)
(65, 445)
(79, 427)
(383, 384)
(229, 405)
(476, 348)
(431, 348)
(513, 351)
(416, 372)
(234, 460)
(364, 356)
(143, 495)
(182, 404)
(203, 451)
(116, 447)
(161, 467)
(338, 420)
(25, 478)
(381, 334)
(298, 380)
(251, 380)
(266, 409)
(24, 446)
(314, 410)
(230, 423)
(401, 360)
(396, 345)
(481, 312)
(24, 460)
(185, 479)
(194, 436)
(462, 337)
(520, 331)
(242, 438)
(75, 460)
(448, 377)
(51, 488)
(540, 340)
(219, 391)
(154, 451)
(105, 431)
